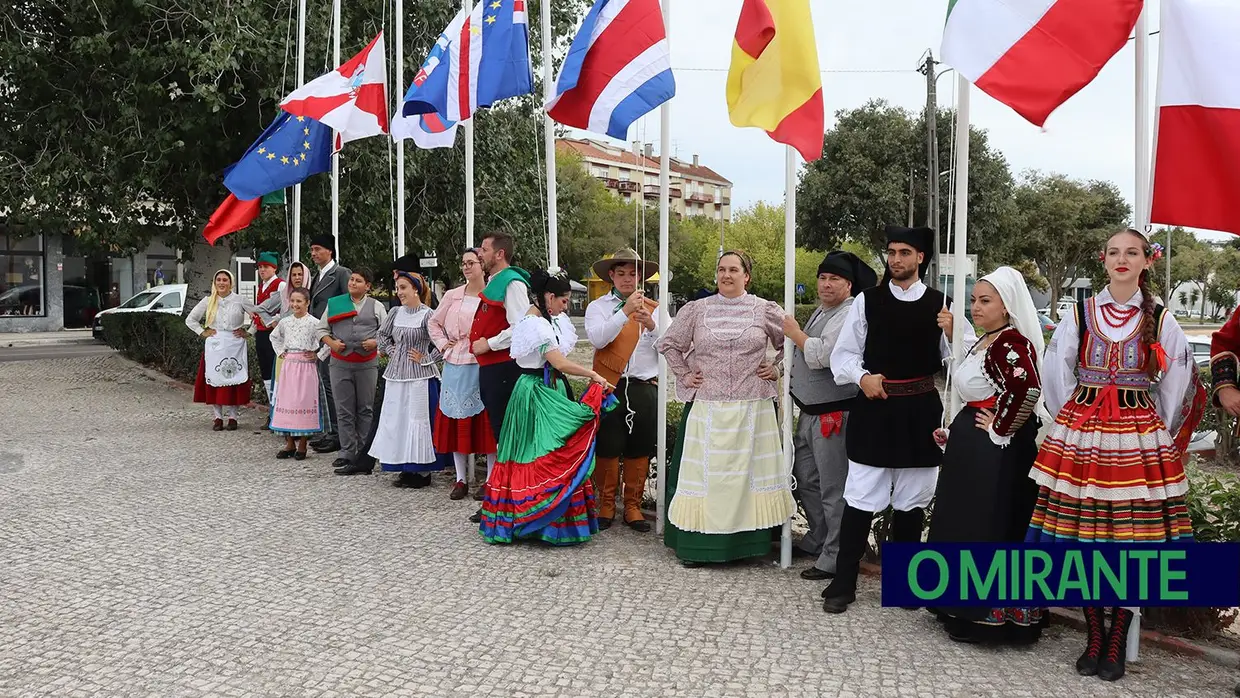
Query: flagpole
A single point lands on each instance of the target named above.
(665, 317)
(400, 142)
(961, 219)
(1141, 215)
(553, 256)
(469, 174)
(335, 135)
(301, 80)
(790, 244)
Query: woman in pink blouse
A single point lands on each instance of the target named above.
(727, 478)
(461, 424)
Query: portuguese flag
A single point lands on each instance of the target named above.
(1033, 55)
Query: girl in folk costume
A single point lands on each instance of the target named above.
(403, 442)
(727, 479)
(223, 379)
(984, 492)
(1121, 377)
(298, 277)
(300, 405)
(540, 487)
(461, 424)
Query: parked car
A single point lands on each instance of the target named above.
(168, 299)
(1063, 307)
(1201, 350)
(1048, 325)
(81, 303)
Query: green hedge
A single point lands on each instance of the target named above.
(162, 341)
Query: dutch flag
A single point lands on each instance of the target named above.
(618, 68)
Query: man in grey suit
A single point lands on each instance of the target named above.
(330, 280)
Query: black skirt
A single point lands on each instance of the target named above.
(985, 495)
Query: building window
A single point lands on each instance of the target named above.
(22, 279)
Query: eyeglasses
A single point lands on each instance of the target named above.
(466, 265)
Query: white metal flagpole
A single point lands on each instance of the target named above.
(400, 142)
(1141, 211)
(335, 154)
(961, 215)
(553, 256)
(665, 316)
(790, 245)
(469, 174)
(301, 79)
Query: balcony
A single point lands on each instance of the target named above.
(701, 198)
(608, 182)
(651, 191)
(626, 186)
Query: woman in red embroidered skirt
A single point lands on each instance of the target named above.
(1121, 377)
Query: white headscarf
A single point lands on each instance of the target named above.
(287, 288)
(1014, 291)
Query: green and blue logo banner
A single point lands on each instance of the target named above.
(1061, 574)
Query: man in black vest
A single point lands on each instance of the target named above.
(821, 462)
(892, 346)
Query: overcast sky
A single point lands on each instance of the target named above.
(1089, 137)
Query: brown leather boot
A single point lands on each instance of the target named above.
(606, 481)
(636, 470)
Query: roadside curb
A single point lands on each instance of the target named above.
(71, 340)
(1168, 643)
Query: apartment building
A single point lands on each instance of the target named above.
(633, 173)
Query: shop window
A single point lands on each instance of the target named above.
(22, 279)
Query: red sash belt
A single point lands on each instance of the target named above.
(1106, 404)
(987, 404)
(831, 423)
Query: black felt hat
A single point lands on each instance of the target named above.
(921, 239)
(849, 266)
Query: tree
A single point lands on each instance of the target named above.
(872, 157)
(1063, 223)
(120, 117)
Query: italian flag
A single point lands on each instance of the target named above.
(1033, 55)
(1197, 157)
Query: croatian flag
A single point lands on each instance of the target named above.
(618, 69)
(428, 130)
(352, 99)
(487, 60)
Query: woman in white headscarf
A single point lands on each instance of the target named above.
(985, 494)
(223, 378)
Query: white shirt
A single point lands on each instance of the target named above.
(848, 357)
(1061, 360)
(605, 318)
(533, 337)
(323, 270)
(516, 305)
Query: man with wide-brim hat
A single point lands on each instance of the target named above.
(623, 327)
(820, 465)
(892, 346)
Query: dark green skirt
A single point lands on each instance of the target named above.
(707, 547)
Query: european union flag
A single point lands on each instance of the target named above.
(289, 151)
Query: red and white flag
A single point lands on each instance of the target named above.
(352, 99)
(1197, 161)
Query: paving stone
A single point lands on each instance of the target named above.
(142, 554)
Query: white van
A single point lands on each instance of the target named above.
(169, 298)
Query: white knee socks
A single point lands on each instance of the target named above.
(218, 411)
(460, 460)
(231, 411)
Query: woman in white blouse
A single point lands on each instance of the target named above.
(299, 409)
(540, 487)
(224, 320)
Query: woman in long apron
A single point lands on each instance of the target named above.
(223, 379)
(403, 442)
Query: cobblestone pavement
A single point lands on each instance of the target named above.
(144, 555)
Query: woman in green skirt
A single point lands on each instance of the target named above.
(728, 482)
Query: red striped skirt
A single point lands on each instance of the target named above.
(1118, 477)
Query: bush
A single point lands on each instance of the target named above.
(163, 342)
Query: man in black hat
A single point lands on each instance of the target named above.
(329, 280)
(821, 462)
(892, 346)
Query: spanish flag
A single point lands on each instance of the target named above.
(774, 82)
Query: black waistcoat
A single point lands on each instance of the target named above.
(902, 337)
